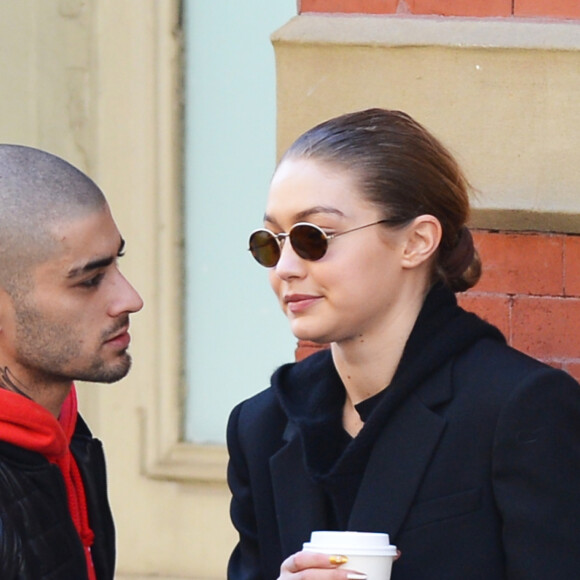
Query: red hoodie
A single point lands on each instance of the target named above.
(27, 424)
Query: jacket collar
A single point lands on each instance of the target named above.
(395, 469)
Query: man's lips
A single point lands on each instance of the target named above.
(121, 339)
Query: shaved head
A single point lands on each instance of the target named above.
(38, 192)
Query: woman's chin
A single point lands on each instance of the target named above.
(308, 335)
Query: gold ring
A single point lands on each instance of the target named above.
(337, 560)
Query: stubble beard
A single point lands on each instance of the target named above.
(100, 372)
(49, 348)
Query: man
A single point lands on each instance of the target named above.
(64, 316)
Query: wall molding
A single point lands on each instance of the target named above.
(165, 456)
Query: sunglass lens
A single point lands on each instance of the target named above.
(264, 248)
(308, 241)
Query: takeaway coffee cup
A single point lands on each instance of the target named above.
(367, 552)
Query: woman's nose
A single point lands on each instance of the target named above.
(290, 263)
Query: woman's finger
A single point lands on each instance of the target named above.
(302, 561)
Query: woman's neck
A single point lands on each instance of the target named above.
(367, 366)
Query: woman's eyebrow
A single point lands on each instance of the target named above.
(304, 214)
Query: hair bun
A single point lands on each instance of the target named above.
(461, 255)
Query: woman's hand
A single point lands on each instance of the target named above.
(314, 566)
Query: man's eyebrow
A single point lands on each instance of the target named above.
(96, 264)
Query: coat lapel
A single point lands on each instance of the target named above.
(398, 462)
(299, 503)
(396, 467)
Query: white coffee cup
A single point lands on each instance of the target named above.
(367, 552)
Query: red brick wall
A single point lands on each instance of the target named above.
(530, 289)
(474, 8)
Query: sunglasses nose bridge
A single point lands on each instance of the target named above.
(281, 238)
(289, 261)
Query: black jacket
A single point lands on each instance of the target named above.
(473, 467)
(38, 540)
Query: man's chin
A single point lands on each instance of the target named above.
(111, 373)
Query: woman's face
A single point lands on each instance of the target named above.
(359, 285)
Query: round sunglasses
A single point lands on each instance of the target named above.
(308, 241)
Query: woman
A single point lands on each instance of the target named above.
(418, 421)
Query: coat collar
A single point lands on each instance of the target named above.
(393, 475)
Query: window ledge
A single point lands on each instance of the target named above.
(188, 462)
(405, 31)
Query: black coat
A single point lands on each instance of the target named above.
(38, 539)
(474, 473)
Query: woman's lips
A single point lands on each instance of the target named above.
(299, 302)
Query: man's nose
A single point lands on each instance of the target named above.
(127, 299)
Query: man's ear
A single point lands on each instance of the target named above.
(5, 306)
(422, 240)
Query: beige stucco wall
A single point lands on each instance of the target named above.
(502, 93)
(97, 81)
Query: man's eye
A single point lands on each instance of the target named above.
(92, 282)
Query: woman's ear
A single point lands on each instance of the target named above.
(422, 240)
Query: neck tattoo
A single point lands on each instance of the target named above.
(8, 382)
